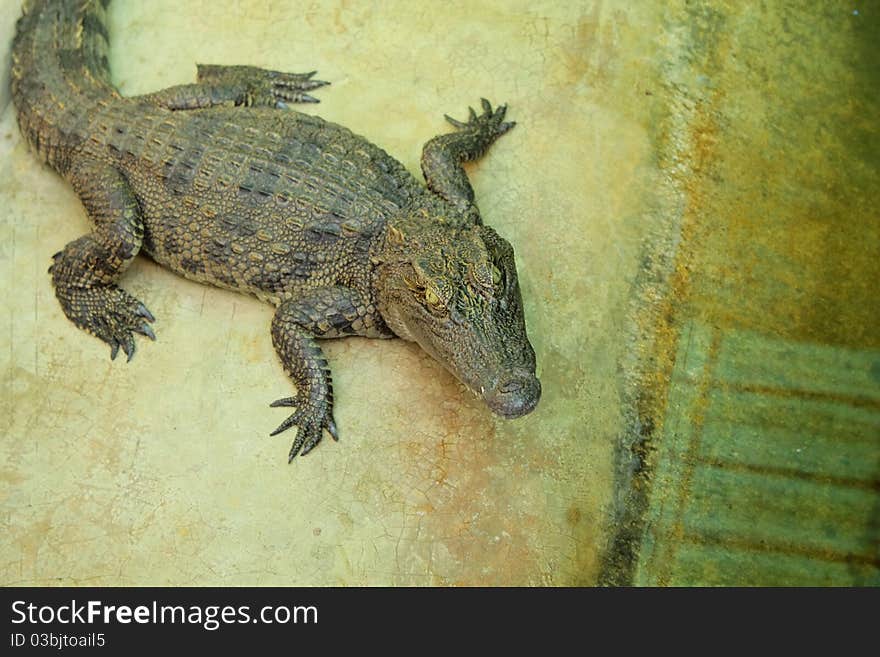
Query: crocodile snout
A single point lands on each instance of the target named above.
(515, 396)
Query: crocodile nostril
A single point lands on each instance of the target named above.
(514, 397)
(511, 386)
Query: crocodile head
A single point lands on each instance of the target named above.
(455, 293)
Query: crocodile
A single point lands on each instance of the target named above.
(224, 183)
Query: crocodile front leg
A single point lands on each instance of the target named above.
(238, 85)
(329, 312)
(442, 157)
(85, 273)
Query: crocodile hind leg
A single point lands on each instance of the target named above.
(329, 312)
(85, 273)
(238, 85)
(442, 156)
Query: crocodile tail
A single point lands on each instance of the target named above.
(59, 68)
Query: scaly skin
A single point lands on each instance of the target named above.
(224, 184)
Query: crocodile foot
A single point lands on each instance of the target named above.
(283, 88)
(109, 313)
(262, 87)
(490, 123)
(310, 422)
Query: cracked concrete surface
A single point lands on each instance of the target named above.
(161, 471)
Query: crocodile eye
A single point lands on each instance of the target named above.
(432, 298)
(496, 275)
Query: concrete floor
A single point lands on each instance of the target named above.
(161, 471)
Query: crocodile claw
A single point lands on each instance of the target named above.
(283, 95)
(331, 428)
(128, 347)
(144, 329)
(289, 422)
(491, 122)
(310, 424)
(146, 314)
(304, 84)
(278, 89)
